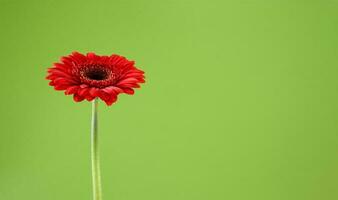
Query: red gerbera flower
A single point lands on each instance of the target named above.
(90, 76)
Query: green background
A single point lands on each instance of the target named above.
(240, 102)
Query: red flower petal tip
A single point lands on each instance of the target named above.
(90, 76)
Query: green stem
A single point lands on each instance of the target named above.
(96, 176)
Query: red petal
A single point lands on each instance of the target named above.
(128, 91)
(134, 75)
(60, 87)
(141, 80)
(112, 89)
(78, 57)
(72, 90)
(61, 74)
(127, 80)
(50, 77)
(92, 56)
(89, 98)
(67, 61)
(103, 95)
(83, 91)
(93, 92)
(61, 66)
(130, 85)
(83, 86)
(78, 98)
(64, 81)
(111, 100)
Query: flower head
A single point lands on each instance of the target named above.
(90, 76)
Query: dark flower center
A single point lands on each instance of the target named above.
(97, 74)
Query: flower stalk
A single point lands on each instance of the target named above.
(95, 159)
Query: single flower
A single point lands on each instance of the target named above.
(91, 76)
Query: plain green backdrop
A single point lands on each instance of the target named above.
(240, 102)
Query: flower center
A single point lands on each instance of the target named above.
(97, 74)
